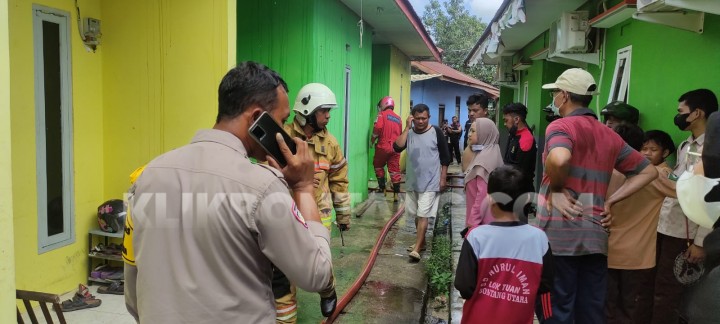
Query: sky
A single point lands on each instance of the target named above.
(485, 9)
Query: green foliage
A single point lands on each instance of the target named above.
(456, 31)
(439, 265)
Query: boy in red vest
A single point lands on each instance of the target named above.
(505, 266)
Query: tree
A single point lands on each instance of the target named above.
(456, 31)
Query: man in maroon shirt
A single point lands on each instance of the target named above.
(580, 154)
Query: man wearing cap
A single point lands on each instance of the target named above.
(579, 156)
(618, 112)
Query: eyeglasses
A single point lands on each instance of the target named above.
(554, 93)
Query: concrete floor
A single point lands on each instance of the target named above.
(111, 311)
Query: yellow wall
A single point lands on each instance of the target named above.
(400, 76)
(161, 73)
(7, 251)
(58, 270)
(151, 84)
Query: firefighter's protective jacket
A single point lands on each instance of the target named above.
(331, 171)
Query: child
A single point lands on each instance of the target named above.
(505, 265)
(632, 245)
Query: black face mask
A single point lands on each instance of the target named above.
(681, 121)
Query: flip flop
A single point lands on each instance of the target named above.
(412, 248)
(114, 288)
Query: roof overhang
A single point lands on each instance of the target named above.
(395, 22)
(448, 74)
(517, 23)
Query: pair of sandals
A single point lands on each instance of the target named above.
(81, 300)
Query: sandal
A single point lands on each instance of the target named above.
(78, 302)
(115, 288)
(414, 256)
(412, 248)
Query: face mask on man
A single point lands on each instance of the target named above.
(691, 191)
(681, 121)
(555, 109)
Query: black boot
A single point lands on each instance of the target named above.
(396, 191)
(328, 304)
(381, 184)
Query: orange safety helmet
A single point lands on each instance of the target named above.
(385, 103)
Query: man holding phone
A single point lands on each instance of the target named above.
(219, 253)
(427, 161)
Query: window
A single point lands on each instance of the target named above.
(525, 93)
(347, 111)
(619, 89)
(53, 127)
(457, 106)
(441, 114)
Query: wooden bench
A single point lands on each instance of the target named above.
(43, 299)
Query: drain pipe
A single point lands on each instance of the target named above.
(345, 300)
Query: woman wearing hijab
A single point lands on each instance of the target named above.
(481, 156)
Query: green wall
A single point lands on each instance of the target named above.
(665, 63)
(314, 41)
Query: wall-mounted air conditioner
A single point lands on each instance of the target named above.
(569, 34)
(654, 5)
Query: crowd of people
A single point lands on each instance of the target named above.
(606, 244)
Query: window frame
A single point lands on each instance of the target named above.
(67, 236)
(621, 92)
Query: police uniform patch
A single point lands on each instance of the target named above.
(298, 216)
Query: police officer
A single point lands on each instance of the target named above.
(387, 128)
(207, 223)
(618, 112)
(521, 149)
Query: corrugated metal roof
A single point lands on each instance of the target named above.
(451, 75)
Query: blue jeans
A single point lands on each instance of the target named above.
(578, 294)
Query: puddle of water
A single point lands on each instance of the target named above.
(385, 297)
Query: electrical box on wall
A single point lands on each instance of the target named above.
(91, 31)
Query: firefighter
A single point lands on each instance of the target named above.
(386, 130)
(312, 114)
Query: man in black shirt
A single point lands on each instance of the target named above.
(521, 149)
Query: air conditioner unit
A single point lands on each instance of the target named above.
(654, 5)
(569, 34)
(505, 71)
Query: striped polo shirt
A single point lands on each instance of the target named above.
(596, 149)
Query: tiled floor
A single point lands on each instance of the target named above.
(111, 311)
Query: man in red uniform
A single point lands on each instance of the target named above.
(386, 130)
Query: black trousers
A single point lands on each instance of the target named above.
(454, 147)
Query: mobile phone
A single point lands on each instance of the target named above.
(263, 131)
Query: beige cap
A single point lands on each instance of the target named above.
(577, 81)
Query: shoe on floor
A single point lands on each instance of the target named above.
(412, 248)
(414, 256)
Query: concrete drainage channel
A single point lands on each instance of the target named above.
(439, 267)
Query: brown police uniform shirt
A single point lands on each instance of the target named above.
(207, 225)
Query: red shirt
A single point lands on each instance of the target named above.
(596, 149)
(388, 127)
